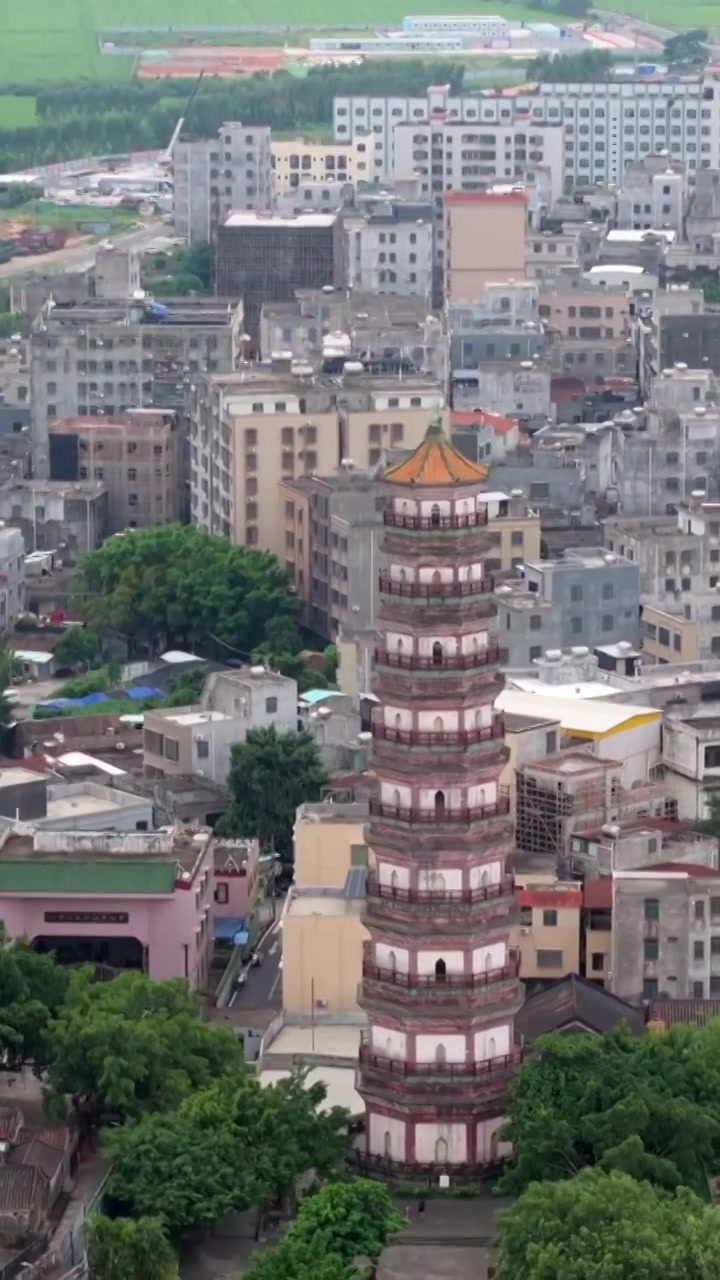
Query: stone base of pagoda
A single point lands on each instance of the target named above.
(424, 1136)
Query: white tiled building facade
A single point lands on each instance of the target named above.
(606, 126)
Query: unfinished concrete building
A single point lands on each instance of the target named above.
(574, 791)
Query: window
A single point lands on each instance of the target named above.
(518, 538)
(608, 622)
(715, 908)
(698, 991)
(651, 908)
(650, 989)
(202, 748)
(171, 750)
(221, 894)
(699, 950)
(551, 742)
(608, 591)
(651, 949)
(576, 594)
(536, 622)
(597, 961)
(549, 959)
(715, 945)
(550, 918)
(271, 706)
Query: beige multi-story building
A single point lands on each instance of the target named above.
(454, 155)
(136, 455)
(251, 430)
(298, 160)
(576, 309)
(212, 177)
(548, 934)
(323, 933)
(484, 241)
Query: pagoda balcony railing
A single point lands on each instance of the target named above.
(488, 657)
(461, 738)
(442, 982)
(440, 815)
(437, 590)
(440, 897)
(466, 520)
(487, 1068)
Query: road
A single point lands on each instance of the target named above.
(81, 257)
(263, 990)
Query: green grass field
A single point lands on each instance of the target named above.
(56, 39)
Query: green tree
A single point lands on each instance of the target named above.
(133, 1045)
(330, 663)
(186, 689)
(228, 1146)
(608, 1227)
(645, 1106)
(178, 584)
(292, 1261)
(271, 774)
(710, 826)
(350, 1219)
(590, 66)
(33, 988)
(128, 1249)
(78, 647)
(688, 48)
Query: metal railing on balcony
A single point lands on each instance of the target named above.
(441, 982)
(500, 1066)
(466, 520)
(443, 662)
(461, 738)
(439, 897)
(441, 815)
(437, 590)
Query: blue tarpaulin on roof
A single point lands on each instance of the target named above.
(231, 929)
(88, 701)
(140, 691)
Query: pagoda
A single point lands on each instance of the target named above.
(439, 982)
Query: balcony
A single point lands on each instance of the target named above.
(435, 983)
(463, 738)
(440, 815)
(444, 662)
(470, 520)
(437, 590)
(400, 1074)
(440, 897)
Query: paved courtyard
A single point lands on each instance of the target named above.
(450, 1241)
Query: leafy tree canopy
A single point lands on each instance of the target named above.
(602, 1226)
(32, 990)
(590, 66)
(77, 647)
(647, 1106)
(228, 1146)
(271, 774)
(176, 583)
(133, 1045)
(127, 1249)
(688, 48)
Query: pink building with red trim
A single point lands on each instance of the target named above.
(440, 982)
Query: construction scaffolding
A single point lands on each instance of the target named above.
(574, 791)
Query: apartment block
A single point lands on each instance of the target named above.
(212, 178)
(390, 250)
(575, 309)
(198, 740)
(449, 155)
(691, 756)
(666, 933)
(297, 160)
(14, 385)
(137, 456)
(68, 518)
(103, 357)
(12, 577)
(653, 194)
(528, 625)
(606, 125)
(249, 431)
(596, 592)
(262, 258)
(548, 934)
(484, 242)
